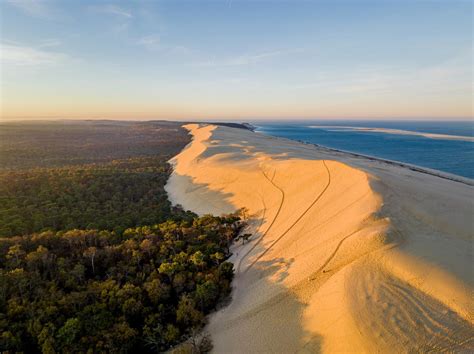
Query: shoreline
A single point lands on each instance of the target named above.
(399, 132)
(416, 168)
(345, 249)
(411, 167)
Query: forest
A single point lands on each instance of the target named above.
(90, 290)
(93, 256)
(33, 144)
(85, 174)
(107, 196)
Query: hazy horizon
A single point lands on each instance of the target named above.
(236, 60)
(236, 120)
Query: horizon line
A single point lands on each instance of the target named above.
(227, 119)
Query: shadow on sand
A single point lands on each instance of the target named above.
(263, 314)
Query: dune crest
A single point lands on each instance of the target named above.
(341, 260)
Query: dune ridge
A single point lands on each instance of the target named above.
(347, 254)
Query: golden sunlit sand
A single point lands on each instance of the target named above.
(347, 254)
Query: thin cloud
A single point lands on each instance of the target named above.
(150, 42)
(454, 75)
(153, 43)
(179, 49)
(52, 42)
(19, 55)
(34, 8)
(241, 60)
(122, 27)
(113, 10)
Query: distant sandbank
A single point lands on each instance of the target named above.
(396, 131)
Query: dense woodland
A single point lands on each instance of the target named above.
(109, 196)
(93, 257)
(66, 143)
(94, 175)
(143, 291)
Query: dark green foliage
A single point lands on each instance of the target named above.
(84, 174)
(95, 290)
(93, 257)
(65, 143)
(112, 196)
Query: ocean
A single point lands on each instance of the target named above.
(444, 146)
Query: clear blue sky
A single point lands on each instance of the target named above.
(236, 59)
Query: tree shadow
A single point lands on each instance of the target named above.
(184, 188)
(264, 314)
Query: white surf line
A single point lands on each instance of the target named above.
(396, 131)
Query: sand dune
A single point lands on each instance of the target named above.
(348, 255)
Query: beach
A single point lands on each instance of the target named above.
(347, 254)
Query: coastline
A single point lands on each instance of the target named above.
(416, 168)
(345, 249)
(400, 132)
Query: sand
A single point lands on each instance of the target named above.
(347, 254)
(396, 131)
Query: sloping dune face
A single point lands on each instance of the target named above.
(325, 270)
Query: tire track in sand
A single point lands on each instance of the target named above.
(273, 221)
(315, 200)
(333, 254)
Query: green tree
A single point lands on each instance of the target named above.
(206, 294)
(186, 314)
(68, 334)
(198, 259)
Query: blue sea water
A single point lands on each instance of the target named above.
(452, 156)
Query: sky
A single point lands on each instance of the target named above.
(236, 59)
